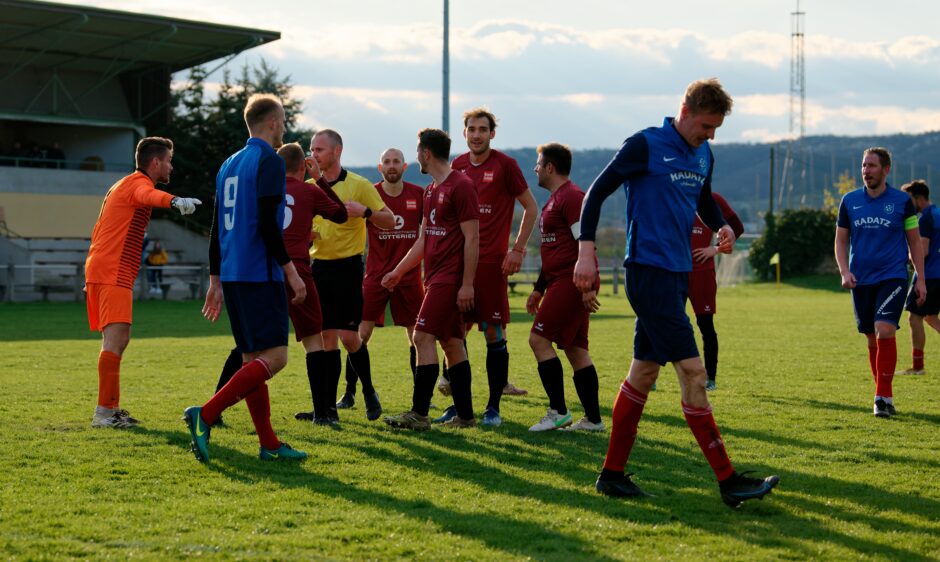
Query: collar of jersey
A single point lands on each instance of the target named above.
(675, 139)
(869, 198)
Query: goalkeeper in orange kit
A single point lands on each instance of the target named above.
(113, 262)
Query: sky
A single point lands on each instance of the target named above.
(587, 73)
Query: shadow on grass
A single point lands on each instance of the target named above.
(518, 468)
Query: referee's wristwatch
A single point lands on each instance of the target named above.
(367, 213)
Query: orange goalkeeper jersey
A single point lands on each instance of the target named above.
(118, 238)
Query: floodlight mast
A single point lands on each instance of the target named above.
(445, 91)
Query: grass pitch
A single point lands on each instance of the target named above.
(794, 398)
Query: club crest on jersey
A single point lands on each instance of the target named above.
(440, 198)
(701, 164)
(411, 204)
(889, 208)
(488, 176)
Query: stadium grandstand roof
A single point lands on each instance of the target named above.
(45, 35)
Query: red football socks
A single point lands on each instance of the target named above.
(873, 360)
(887, 363)
(259, 406)
(628, 407)
(245, 381)
(702, 423)
(109, 380)
(918, 358)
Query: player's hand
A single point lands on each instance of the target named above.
(585, 273)
(298, 287)
(213, 305)
(726, 239)
(921, 288)
(591, 304)
(465, 298)
(512, 262)
(313, 167)
(532, 303)
(355, 209)
(848, 280)
(185, 205)
(702, 255)
(391, 280)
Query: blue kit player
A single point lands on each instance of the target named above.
(666, 176)
(877, 225)
(248, 264)
(929, 226)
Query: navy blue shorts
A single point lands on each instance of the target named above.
(258, 314)
(663, 331)
(931, 306)
(880, 302)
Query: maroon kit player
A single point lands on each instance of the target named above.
(448, 243)
(561, 310)
(499, 183)
(387, 248)
(703, 286)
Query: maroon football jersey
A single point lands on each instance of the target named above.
(388, 247)
(702, 235)
(446, 206)
(304, 201)
(559, 246)
(498, 182)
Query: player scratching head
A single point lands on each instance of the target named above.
(479, 128)
(703, 110)
(876, 163)
(392, 166)
(264, 116)
(154, 157)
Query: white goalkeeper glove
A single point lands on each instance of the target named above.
(185, 205)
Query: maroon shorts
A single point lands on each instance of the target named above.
(490, 296)
(562, 317)
(405, 299)
(702, 291)
(306, 317)
(439, 315)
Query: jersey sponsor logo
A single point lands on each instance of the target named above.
(399, 222)
(548, 237)
(411, 204)
(678, 177)
(871, 222)
(486, 209)
(488, 176)
(889, 208)
(697, 230)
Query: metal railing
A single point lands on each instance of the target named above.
(21, 283)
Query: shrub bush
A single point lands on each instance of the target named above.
(803, 237)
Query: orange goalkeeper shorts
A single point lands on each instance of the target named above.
(108, 304)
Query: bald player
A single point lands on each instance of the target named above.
(387, 248)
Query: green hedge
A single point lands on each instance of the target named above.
(803, 237)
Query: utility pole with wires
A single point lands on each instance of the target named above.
(795, 149)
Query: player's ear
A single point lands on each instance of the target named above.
(379, 167)
(404, 166)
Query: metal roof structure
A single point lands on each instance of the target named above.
(44, 46)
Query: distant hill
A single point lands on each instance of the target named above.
(742, 170)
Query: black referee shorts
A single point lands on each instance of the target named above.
(339, 283)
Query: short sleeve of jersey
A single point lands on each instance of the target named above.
(271, 176)
(466, 205)
(926, 225)
(843, 221)
(909, 210)
(572, 207)
(369, 196)
(515, 181)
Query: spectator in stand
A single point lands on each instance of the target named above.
(156, 259)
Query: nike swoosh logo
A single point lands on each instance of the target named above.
(669, 159)
(199, 426)
(859, 207)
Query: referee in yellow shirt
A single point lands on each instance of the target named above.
(337, 272)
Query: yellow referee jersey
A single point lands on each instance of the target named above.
(336, 241)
